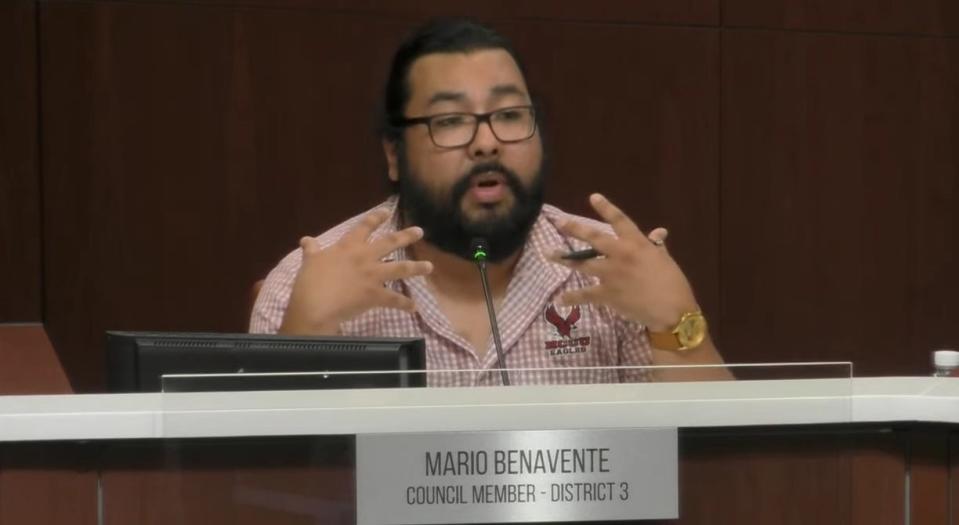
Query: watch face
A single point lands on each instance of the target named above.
(691, 331)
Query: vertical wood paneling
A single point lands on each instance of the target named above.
(830, 149)
(671, 12)
(879, 460)
(792, 477)
(20, 272)
(180, 169)
(934, 239)
(280, 481)
(929, 476)
(765, 478)
(954, 477)
(47, 484)
(632, 113)
(930, 17)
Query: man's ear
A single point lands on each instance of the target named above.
(389, 150)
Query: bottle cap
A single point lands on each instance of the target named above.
(945, 358)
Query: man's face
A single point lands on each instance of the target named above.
(486, 188)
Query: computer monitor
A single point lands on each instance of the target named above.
(138, 362)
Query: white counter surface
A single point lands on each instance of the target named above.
(318, 412)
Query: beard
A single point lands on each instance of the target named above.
(447, 227)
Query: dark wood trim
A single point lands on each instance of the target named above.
(28, 362)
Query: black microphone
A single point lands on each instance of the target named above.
(478, 247)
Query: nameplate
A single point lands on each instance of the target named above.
(517, 476)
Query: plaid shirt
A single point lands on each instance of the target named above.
(548, 340)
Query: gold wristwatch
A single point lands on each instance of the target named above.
(688, 333)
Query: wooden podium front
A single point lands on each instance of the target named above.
(855, 451)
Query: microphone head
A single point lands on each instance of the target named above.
(478, 247)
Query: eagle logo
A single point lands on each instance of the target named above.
(564, 325)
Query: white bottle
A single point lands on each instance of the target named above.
(946, 363)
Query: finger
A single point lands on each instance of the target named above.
(386, 298)
(394, 271)
(387, 244)
(310, 245)
(658, 236)
(588, 295)
(598, 239)
(368, 223)
(624, 227)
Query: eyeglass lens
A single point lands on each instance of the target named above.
(458, 129)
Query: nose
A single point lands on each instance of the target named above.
(485, 144)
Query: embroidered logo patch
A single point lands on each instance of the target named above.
(564, 325)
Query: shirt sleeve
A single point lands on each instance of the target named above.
(271, 302)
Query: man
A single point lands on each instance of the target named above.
(465, 157)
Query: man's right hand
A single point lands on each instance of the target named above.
(346, 279)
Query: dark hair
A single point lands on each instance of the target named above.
(443, 35)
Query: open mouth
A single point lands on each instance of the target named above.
(488, 188)
(489, 179)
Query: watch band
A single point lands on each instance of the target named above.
(687, 334)
(664, 340)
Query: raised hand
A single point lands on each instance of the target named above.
(346, 279)
(637, 276)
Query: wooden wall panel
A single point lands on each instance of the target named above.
(179, 170)
(188, 149)
(934, 239)
(800, 476)
(20, 271)
(47, 484)
(954, 477)
(688, 12)
(931, 17)
(739, 478)
(838, 197)
(879, 459)
(648, 139)
(929, 476)
(280, 481)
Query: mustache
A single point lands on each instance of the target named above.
(463, 185)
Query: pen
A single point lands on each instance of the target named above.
(581, 255)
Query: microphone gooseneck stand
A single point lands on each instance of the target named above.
(478, 247)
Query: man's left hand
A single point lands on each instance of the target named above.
(637, 276)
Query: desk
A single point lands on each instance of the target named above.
(843, 451)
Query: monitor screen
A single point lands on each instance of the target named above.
(138, 362)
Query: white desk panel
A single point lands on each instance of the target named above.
(330, 412)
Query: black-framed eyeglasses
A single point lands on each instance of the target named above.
(455, 130)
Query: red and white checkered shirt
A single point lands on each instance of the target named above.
(564, 345)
